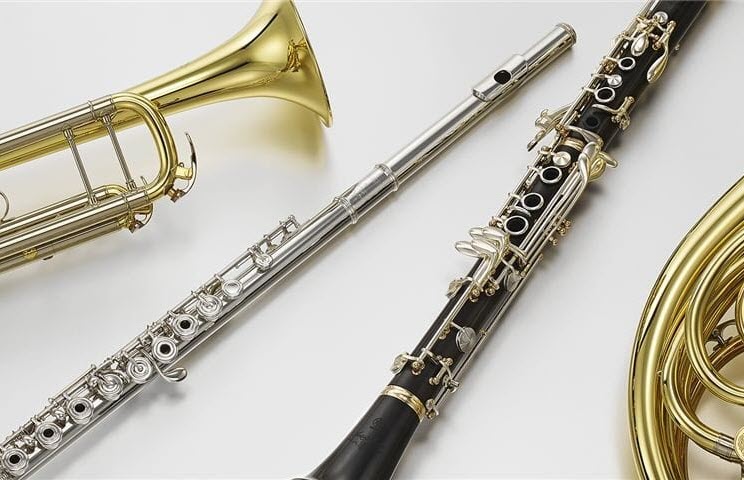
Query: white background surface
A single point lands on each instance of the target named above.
(272, 394)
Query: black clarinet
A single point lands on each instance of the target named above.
(512, 243)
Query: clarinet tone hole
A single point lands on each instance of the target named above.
(604, 94)
(532, 201)
(502, 77)
(516, 225)
(592, 121)
(627, 63)
(550, 175)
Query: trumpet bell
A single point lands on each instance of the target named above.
(270, 57)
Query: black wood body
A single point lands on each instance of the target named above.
(374, 448)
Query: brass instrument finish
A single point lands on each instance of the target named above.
(270, 57)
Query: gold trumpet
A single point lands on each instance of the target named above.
(692, 326)
(269, 57)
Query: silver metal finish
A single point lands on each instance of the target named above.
(466, 339)
(626, 63)
(167, 341)
(605, 94)
(139, 369)
(80, 410)
(561, 159)
(14, 461)
(551, 175)
(185, 326)
(532, 201)
(516, 225)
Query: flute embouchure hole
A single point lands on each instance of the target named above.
(502, 77)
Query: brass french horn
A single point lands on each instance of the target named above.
(692, 326)
(269, 57)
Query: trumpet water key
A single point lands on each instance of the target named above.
(163, 344)
(269, 57)
(508, 248)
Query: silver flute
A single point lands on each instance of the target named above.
(157, 351)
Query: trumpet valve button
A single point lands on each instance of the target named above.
(209, 307)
